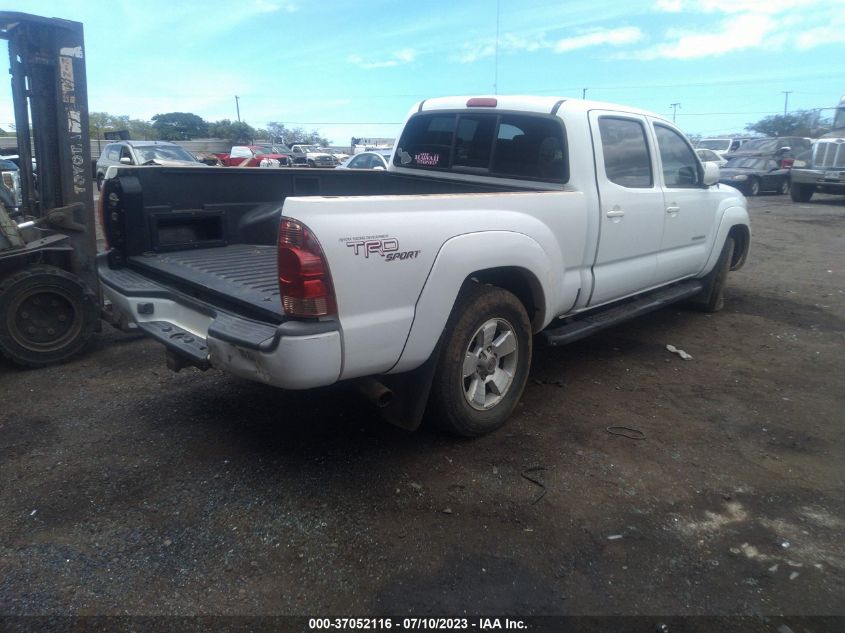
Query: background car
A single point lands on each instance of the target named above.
(721, 145)
(709, 156)
(754, 175)
(783, 149)
(368, 160)
(144, 153)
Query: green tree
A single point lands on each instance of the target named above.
(179, 126)
(288, 136)
(798, 123)
(101, 122)
(236, 132)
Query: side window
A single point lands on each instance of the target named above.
(357, 162)
(474, 140)
(530, 147)
(626, 159)
(427, 141)
(680, 167)
(113, 153)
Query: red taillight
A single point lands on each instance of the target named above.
(482, 102)
(786, 163)
(304, 279)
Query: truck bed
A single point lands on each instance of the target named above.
(240, 274)
(211, 233)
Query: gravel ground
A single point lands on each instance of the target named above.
(128, 489)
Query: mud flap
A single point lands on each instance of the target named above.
(410, 394)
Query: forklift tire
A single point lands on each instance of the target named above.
(46, 316)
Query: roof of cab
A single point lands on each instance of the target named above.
(526, 103)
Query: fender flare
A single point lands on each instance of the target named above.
(733, 216)
(460, 257)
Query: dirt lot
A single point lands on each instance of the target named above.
(130, 489)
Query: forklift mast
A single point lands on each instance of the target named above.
(49, 90)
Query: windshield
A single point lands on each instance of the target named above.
(162, 152)
(271, 149)
(7, 165)
(746, 163)
(719, 144)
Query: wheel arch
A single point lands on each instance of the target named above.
(742, 241)
(513, 261)
(519, 281)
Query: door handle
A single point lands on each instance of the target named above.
(672, 210)
(615, 212)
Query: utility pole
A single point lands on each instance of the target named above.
(583, 93)
(786, 94)
(674, 107)
(238, 107)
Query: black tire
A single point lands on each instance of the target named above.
(100, 179)
(46, 316)
(449, 403)
(311, 163)
(712, 298)
(784, 187)
(754, 187)
(801, 193)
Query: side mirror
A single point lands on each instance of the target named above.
(125, 160)
(711, 174)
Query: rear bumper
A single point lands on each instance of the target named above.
(291, 355)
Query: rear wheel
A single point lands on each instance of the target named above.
(801, 193)
(784, 187)
(46, 316)
(754, 186)
(484, 362)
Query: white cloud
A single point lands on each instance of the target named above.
(598, 37)
(820, 36)
(669, 6)
(515, 43)
(749, 24)
(731, 6)
(741, 32)
(402, 56)
(271, 6)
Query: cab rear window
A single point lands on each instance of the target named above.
(506, 145)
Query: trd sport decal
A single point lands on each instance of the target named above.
(381, 245)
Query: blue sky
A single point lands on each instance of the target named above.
(354, 67)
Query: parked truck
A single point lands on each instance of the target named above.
(500, 220)
(823, 167)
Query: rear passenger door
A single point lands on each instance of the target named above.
(631, 206)
(689, 207)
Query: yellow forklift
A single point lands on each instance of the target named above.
(49, 293)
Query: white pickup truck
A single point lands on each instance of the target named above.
(500, 218)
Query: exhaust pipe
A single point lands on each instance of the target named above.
(375, 392)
